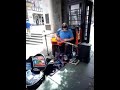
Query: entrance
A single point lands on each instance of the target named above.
(76, 13)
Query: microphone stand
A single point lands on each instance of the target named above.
(46, 42)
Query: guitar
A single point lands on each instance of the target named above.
(57, 42)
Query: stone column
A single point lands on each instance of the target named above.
(53, 8)
(55, 14)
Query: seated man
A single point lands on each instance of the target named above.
(66, 35)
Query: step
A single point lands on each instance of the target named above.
(33, 38)
(34, 34)
(33, 41)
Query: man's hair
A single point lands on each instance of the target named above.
(64, 25)
(77, 28)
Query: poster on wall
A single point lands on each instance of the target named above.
(29, 6)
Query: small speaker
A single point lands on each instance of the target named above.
(84, 52)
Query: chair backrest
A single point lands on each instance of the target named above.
(74, 34)
(77, 35)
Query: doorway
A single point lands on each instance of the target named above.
(75, 14)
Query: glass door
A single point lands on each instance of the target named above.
(74, 14)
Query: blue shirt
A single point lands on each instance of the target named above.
(28, 24)
(64, 34)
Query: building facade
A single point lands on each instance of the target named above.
(55, 12)
(73, 12)
(34, 12)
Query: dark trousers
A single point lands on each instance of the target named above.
(65, 49)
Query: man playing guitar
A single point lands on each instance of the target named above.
(64, 35)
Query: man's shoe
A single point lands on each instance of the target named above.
(75, 61)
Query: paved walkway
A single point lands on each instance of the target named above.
(71, 77)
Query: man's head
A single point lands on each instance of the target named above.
(64, 26)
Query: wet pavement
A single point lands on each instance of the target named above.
(79, 77)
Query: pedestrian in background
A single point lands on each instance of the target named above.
(42, 21)
(28, 27)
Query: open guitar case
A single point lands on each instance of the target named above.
(30, 67)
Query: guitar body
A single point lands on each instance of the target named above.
(57, 42)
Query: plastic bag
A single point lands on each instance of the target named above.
(32, 78)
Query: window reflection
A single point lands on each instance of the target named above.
(76, 6)
(75, 12)
(74, 15)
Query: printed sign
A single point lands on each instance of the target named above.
(39, 61)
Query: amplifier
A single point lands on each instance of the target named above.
(84, 52)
